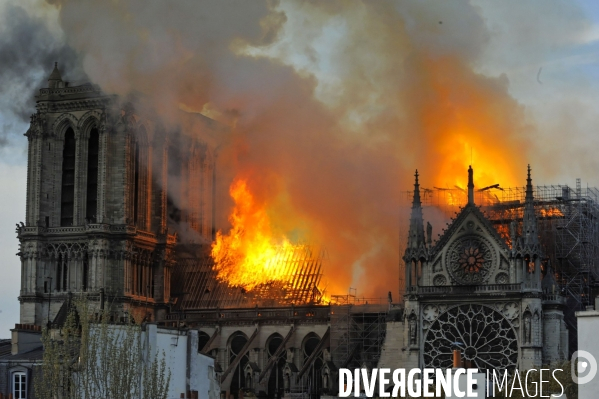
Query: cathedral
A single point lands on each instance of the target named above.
(475, 291)
(121, 208)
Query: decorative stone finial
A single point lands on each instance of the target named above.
(55, 77)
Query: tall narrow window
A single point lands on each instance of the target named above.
(58, 273)
(136, 183)
(85, 272)
(68, 179)
(151, 281)
(62, 273)
(65, 274)
(19, 385)
(140, 278)
(92, 176)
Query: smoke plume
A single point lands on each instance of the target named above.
(28, 50)
(332, 105)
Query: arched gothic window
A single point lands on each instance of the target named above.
(236, 344)
(62, 272)
(314, 379)
(92, 176)
(276, 383)
(67, 197)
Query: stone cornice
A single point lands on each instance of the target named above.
(33, 232)
(73, 105)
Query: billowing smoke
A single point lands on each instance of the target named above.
(28, 50)
(332, 105)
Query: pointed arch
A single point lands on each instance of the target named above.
(62, 123)
(235, 344)
(87, 122)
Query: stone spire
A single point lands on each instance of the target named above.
(529, 225)
(470, 185)
(416, 234)
(55, 78)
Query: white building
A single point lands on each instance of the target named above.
(192, 372)
(588, 325)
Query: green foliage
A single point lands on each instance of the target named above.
(91, 358)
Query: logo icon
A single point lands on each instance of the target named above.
(584, 367)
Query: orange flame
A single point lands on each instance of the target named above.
(551, 212)
(249, 255)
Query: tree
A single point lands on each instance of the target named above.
(88, 357)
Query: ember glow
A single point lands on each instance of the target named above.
(551, 212)
(251, 253)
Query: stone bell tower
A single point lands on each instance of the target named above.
(107, 190)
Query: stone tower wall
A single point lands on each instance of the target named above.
(128, 246)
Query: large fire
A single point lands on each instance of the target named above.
(250, 254)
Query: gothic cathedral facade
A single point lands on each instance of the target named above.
(476, 291)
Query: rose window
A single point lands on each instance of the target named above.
(470, 260)
(485, 337)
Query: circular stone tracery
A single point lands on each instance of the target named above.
(470, 260)
(487, 338)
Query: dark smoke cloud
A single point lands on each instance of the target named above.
(332, 105)
(28, 50)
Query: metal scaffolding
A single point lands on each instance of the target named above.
(358, 329)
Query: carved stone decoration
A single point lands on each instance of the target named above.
(488, 338)
(413, 330)
(430, 312)
(439, 280)
(502, 278)
(470, 260)
(537, 329)
(510, 310)
(527, 328)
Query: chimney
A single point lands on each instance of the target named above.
(457, 359)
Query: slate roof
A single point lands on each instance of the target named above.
(32, 355)
(5, 347)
